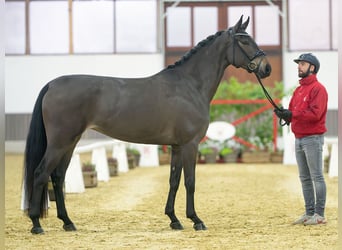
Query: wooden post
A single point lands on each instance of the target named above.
(71, 40)
(275, 132)
(27, 27)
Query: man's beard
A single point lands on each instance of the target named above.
(303, 74)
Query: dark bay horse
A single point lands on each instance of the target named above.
(168, 108)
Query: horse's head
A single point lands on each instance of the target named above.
(245, 52)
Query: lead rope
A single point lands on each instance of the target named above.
(269, 98)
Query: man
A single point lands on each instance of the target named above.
(307, 115)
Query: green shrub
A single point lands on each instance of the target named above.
(226, 151)
(258, 129)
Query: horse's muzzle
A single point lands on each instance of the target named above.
(264, 70)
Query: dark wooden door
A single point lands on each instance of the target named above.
(189, 14)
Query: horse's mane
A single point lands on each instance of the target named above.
(193, 51)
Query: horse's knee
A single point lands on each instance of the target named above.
(175, 175)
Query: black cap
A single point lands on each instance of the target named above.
(310, 58)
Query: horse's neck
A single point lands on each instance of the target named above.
(206, 67)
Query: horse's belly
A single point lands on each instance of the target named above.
(137, 135)
(153, 131)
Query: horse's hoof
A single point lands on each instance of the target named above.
(200, 226)
(69, 227)
(176, 225)
(37, 230)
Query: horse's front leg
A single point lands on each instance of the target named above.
(175, 175)
(189, 156)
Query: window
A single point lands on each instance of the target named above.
(179, 27)
(15, 27)
(93, 27)
(205, 22)
(334, 23)
(49, 31)
(235, 12)
(266, 32)
(81, 26)
(183, 21)
(310, 24)
(136, 31)
(189, 23)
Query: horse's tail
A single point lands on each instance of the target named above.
(36, 143)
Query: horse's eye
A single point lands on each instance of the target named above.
(244, 41)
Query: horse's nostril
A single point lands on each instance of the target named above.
(268, 69)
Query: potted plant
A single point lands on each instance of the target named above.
(277, 156)
(208, 153)
(51, 191)
(112, 166)
(133, 157)
(228, 154)
(256, 156)
(89, 174)
(164, 154)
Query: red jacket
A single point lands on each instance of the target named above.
(309, 108)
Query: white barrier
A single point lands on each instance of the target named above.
(74, 184)
(74, 179)
(73, 176)
(148, 154)
(289, 140)
(119, 152)
(289, 147)
(99, 158)
(333, 163)
(24, 204)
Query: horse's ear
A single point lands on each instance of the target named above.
(245, 24)
(238, 24)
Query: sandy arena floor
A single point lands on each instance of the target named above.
(244, 206)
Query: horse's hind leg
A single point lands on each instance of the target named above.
(57, 178)
(38, 200)
(175, 175)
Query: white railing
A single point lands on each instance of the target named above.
(333, 162)
(74, 178)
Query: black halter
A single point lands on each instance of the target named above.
(253, 67)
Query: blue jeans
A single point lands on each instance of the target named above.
(309, 152)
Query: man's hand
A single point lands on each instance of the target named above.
(284, 114)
